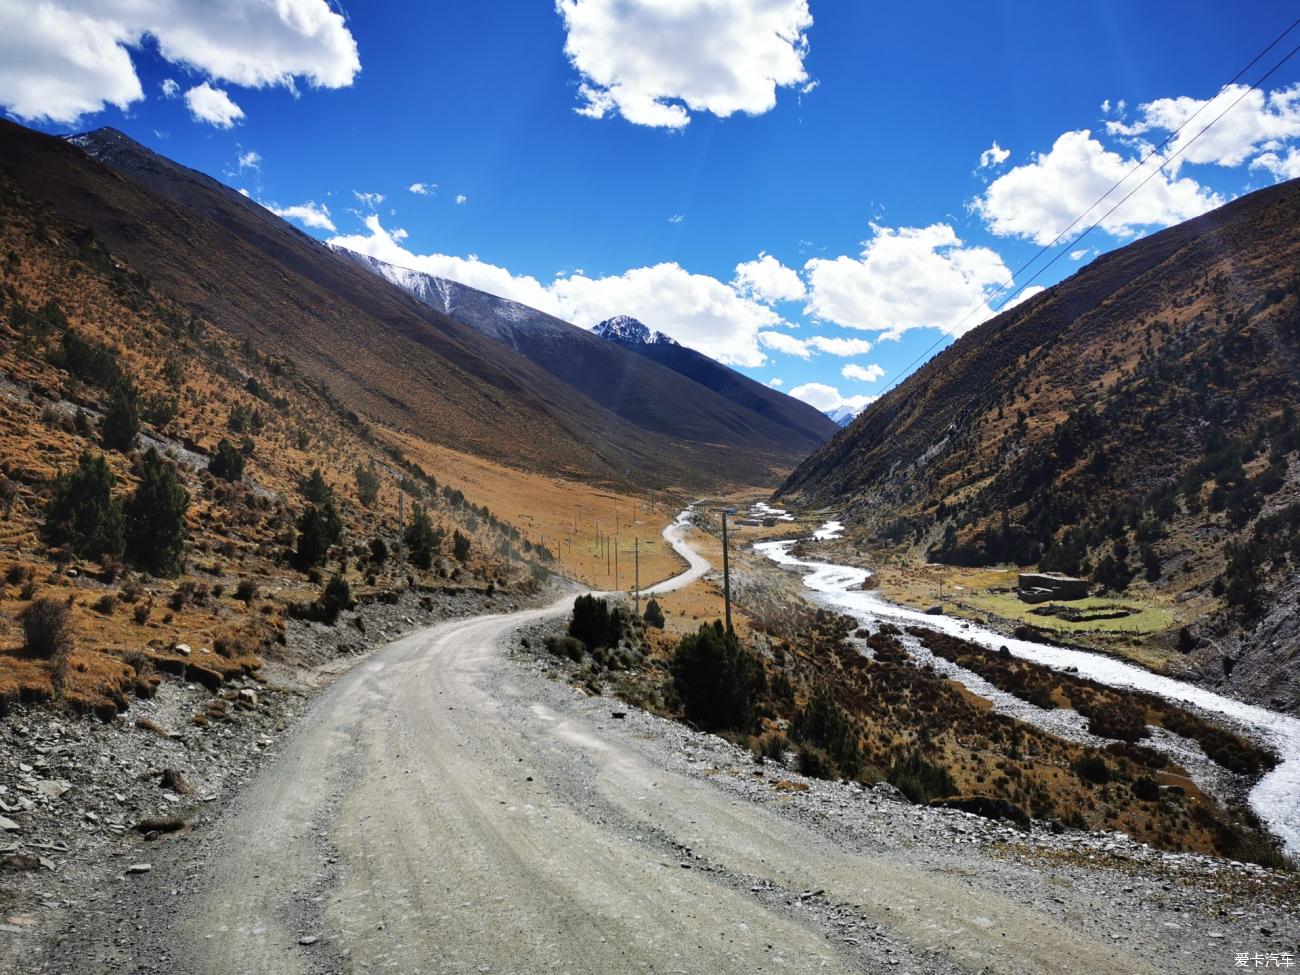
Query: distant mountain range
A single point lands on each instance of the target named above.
(389, 357)
(842, 416)
(642, 376)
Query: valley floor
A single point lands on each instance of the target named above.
(444, 807)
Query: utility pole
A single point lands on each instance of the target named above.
(401, 530)
(638, 575)
(607, 571)
(726, 571)
(616, 546)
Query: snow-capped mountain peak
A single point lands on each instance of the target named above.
(843, 415)
(626, 330)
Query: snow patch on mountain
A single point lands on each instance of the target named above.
(626, 330)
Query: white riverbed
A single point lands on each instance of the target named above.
(1275, 798)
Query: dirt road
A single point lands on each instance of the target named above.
(442, 808)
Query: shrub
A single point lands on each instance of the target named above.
(335, 598)
(1146, 789)
(47, 628)
(566, 646)
(105, 604)
(1092, 768)
(654, 614)
(82, 512)
(590, 622)
(246, 591)
(367, 485)
(771, 746)
(227, 462)
(815, 763)
(141, 612)
(378, 551)
(420, 539)
(823, 723)
(460, 547)
(717, 680)
(315, 490)
(318, 530)
(121, 420)
(919, 780)
(155, 517)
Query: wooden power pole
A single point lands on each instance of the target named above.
(638, 575)
(726, 571)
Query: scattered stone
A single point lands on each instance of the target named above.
(9, 825)
(139, 868)
(308, 939)
(160, 824)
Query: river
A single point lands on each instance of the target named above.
(1275, 797)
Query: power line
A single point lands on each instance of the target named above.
(948, 332)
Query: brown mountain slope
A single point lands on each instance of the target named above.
(1136, 422)
(373, 347)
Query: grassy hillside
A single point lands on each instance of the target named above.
(1136, 423)
(86, 344)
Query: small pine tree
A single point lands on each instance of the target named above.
(654, 614)
(315, 489)
(82, 513)
(318, 530)
(378, 551)
(367, 485)
(155, 518)
(460, 547)
(121, 420)
(420, 539)
(717, 680)
(227, 462)
(335, 598)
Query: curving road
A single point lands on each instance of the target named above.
(444, 808)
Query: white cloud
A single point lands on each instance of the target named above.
(250, 160)
(461, 199)
(840, 347)
(1282, 167)
(827, 398)
(910, 277)
(212, 105)
(170, 88)
(697, 310)
(1041, 198)
(776, 382)
(994, 155)
(1259, 121)
(62, 60)
(423, 189)
(782, 342)
(767, 279)
(371, 200)
(864, 374)
(652, 60)
(1079, 255)
(1024, 296)
(677, 218)
(309, 214)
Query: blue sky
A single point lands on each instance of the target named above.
(595, 157)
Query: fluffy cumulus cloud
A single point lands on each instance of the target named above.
(827, 398)
(1281, 165)
(994, 156)
(863, 374)
(1258, 121)
(832, 345)
(213, 106)
(697, 310)
(776, 382)
(62, 59)
(461, 199)
(1040, 199)
(653, 62)
(905, 278)
(423, 189)
(786, 343)
(309, 214)
(1023, 296)
(767, 279)
(250, 159)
